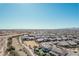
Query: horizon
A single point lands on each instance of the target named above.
(39, 16)
(39, 29)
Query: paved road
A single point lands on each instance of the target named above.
(29, 52)
(3, 43)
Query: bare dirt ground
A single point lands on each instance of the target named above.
(31, 43)
(18, 47)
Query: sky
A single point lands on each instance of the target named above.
(39, 15)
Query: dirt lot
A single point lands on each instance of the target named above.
(31, 43)
(18, 47)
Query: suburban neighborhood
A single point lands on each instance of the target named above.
(39, 42)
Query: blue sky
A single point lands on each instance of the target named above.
(39, 16)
